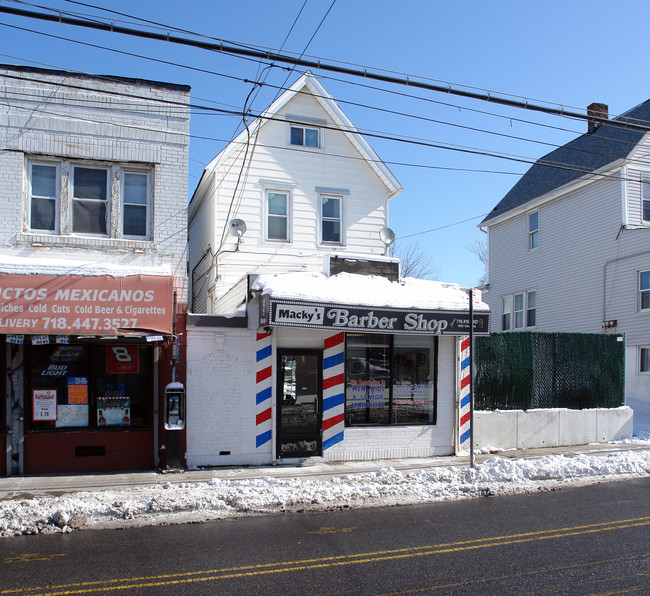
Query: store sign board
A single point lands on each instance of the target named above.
(294, 313)
(77, 304)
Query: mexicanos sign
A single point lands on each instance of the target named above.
(293, 313)
(76, 304)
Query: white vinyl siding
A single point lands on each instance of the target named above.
(333, 171)
(572, 266)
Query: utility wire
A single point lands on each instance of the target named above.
(283, 87)
(319, 65)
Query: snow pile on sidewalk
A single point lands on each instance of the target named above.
(218, 499)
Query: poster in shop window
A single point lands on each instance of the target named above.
(43, 405)
(122, 360)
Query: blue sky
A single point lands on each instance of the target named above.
(570, 53)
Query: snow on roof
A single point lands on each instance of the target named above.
(53, 266)
(366, 290)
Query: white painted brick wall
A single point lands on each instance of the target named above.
(221, 404)
(43, 117)
(221, 398)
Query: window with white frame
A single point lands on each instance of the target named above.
(89, 200)
(531, 308)
(533, 230)
(644, 360)
(44, 192)
(506, 313)
(278, 215)
(645, 207)
(304, 136)
(519, 311)
(135, 214)
(644, 290)
(331, 219)
(69, 197)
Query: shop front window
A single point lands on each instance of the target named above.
(90, 386)
(413, 386)
(367, 391)
(390, 380)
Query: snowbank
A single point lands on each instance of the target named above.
(219, 498)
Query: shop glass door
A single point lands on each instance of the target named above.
(300, 403)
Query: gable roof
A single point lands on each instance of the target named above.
(586, 154)
(309, 81)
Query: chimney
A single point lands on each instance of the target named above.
(599, 110)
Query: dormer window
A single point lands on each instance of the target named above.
(305, 136)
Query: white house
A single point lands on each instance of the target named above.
(305, 184)
(569, 245)
(93, 175)
(309, 343)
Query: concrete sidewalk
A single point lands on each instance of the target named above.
(26, 487)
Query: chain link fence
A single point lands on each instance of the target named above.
(522, 371)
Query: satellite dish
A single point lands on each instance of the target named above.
(387, 236)
(237, 227)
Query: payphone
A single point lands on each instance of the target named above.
(174, 423)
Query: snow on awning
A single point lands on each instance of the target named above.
(367, 303)
(67, 297)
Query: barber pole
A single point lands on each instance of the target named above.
(333, 390)
(263, 379)
(464, 414)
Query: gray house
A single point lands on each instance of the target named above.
(569, 245)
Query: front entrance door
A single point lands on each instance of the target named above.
(300, 403)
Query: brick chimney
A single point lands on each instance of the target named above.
(599, 110)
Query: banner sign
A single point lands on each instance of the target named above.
(293, 313)
(78, 305)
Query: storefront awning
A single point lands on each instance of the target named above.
(57, 297)
(367, 303)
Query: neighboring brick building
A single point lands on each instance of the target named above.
(93, 179)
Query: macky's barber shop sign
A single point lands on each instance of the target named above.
(293, 313)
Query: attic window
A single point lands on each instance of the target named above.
(305, 136)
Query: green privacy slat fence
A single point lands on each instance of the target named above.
(521, 371)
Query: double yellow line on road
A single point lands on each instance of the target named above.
(190, 577)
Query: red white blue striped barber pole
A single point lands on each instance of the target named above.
(464, 405)
(263, 379)
(333, 390)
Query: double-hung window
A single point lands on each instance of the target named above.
(506, 313)
(644, 290)
(44, 197)
(646, 201)
(519, 311)
(82, 198)
(89, 200)
(135, 200)
(278, 214)
(531, 308)
(533, 230)
(644, 366)
(331, 219)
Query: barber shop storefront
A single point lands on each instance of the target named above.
(82, 374)
(337, 379)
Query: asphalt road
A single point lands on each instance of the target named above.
(590, 540)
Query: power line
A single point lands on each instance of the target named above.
(412, 141)
(282, 87)
(318, 65)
